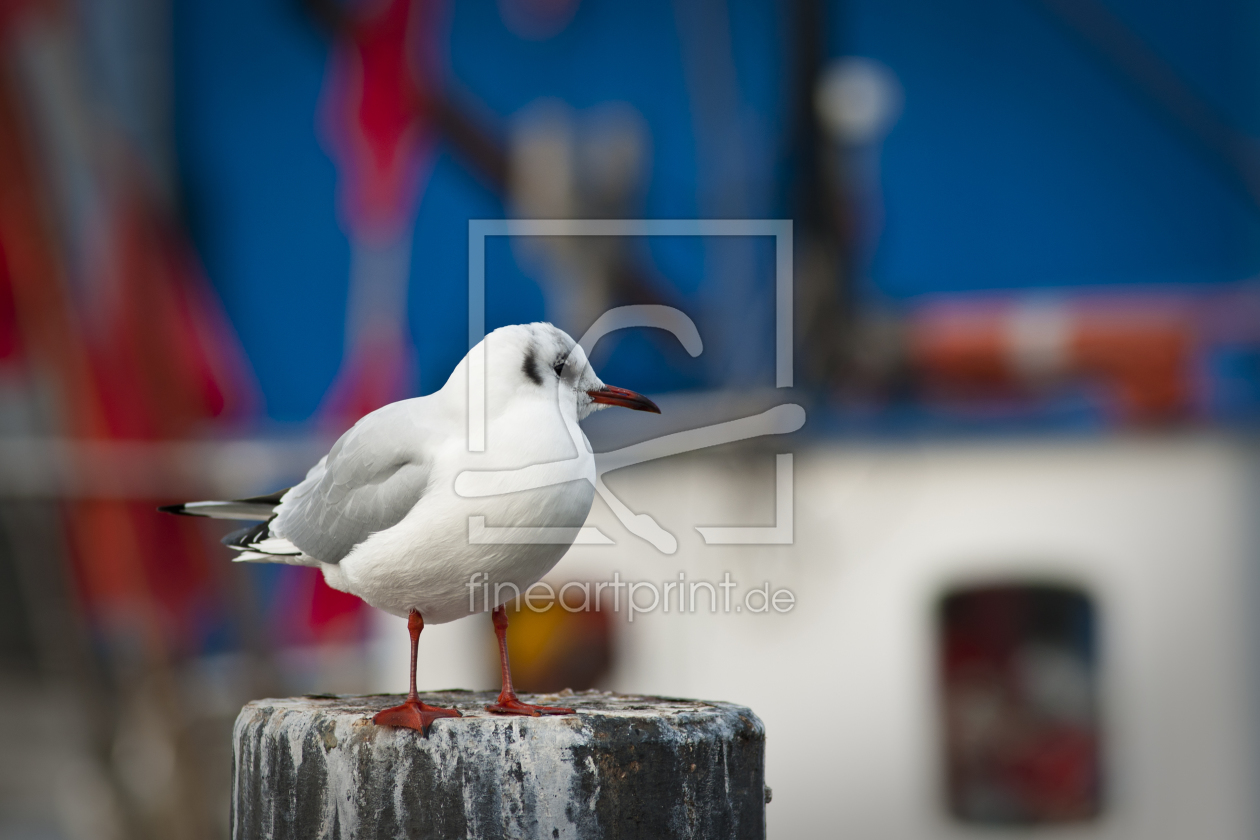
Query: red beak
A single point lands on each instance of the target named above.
(610, 395)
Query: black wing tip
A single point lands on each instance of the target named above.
(269, 499)
(245, 536)
(178, 510)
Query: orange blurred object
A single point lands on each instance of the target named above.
(1139, 357)
(554, 649)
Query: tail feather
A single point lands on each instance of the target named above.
(254, 509)
(257, 544)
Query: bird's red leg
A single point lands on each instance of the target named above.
(508, 703)
(413, 714)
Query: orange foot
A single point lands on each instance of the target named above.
(413, 715)
(511, 705)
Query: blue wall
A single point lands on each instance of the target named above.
(1020, 161)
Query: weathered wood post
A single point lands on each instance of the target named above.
(622, 767)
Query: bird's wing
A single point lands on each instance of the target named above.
(370, 480)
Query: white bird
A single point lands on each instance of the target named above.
(379, 515)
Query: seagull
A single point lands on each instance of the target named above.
(380, 515)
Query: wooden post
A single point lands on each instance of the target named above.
(622, 767)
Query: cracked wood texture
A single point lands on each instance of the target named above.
(622, 767)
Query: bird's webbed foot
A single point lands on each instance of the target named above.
(413, 715)
(510, 704)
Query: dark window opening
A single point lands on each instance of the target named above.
(1018, 667)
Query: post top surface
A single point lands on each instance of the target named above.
(590, 706)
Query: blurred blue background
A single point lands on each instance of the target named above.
(229, 229)
(1021, 160)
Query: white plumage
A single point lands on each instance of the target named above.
(380, 516)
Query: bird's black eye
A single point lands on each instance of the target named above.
(558, 367)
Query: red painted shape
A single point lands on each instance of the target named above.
(378, 112)
(335, 616)
(10, 345)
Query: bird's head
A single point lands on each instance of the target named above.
(543, 358)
